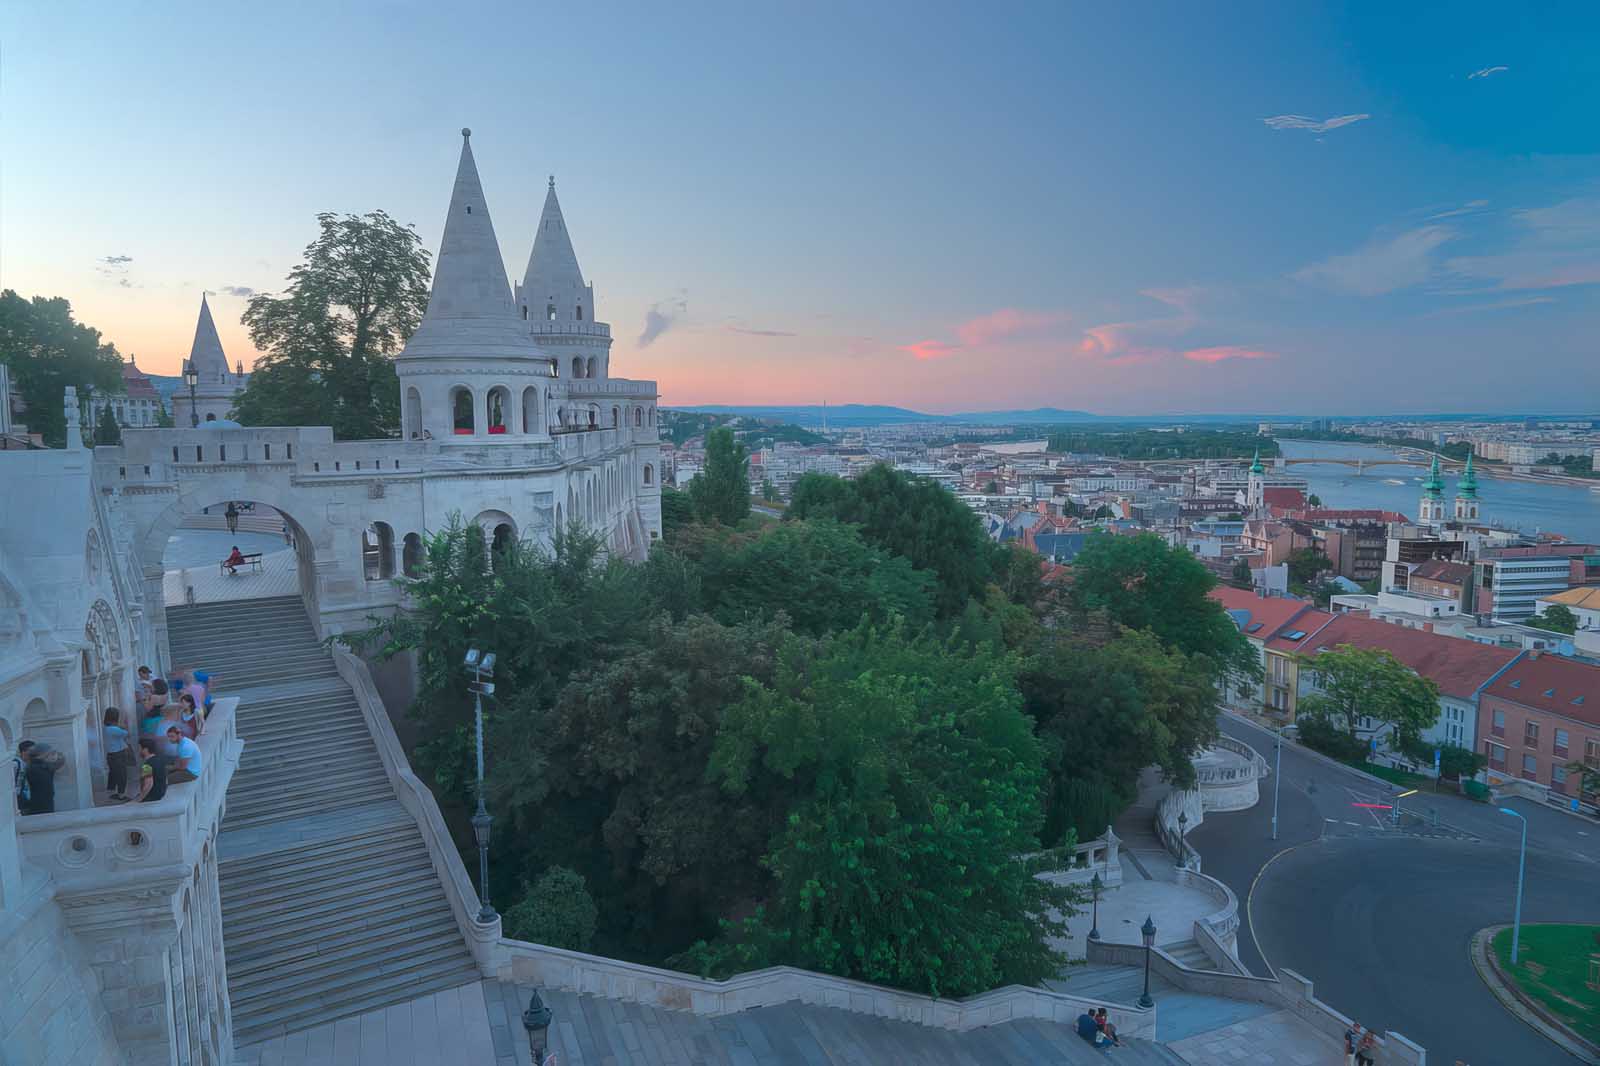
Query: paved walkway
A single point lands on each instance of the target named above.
(451, 1027)
(279, 574)
(1276, 1038)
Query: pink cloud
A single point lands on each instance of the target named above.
(1008, 322)
(930, 349)
(1224, 352)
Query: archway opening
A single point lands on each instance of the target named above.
(588, 370)
(530, 409)
(275, 555)
(499, 405)
(638, 416)
(462, 415)
(377, 551)
(577, 367)
(411, 556)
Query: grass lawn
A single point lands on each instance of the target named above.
(1553, 970)
(1389, 773)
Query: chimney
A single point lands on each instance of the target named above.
(1533, 654)
(1427, 627)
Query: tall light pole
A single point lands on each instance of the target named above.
(482, 665)
(1522, 861)
(191, 378)
(1094, 923)
(1148, 933)
(1277, 775)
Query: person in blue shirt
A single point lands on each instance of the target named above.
(119, 755)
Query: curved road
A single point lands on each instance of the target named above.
(1380, 918)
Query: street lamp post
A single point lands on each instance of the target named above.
(191, 378)
(1094, 925)
(1183, 845)
(1277, 775)
(1148, 932)
(536, 1020)
(1522, 861)
(482, 665)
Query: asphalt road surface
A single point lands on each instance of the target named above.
(1380, 916)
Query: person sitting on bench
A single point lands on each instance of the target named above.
(234, 561)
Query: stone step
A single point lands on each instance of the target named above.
(249, 816)
(253, 1026)
(395, 911)
(333, 904)
(282, 901)
(294, 955)
(262, 721)
(330, 776)
(1190, 954)
(308, 736)
(343, 974)
(329, 850)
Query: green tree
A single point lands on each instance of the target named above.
(912, 517)
(1143, 583)
(1104, 512)
(1557, 618)
(769, 491)
(914, 781)
(329, 341)
(1313, 500)
(677, 511)
(823, 575)
(556, 910)
(107, 431)
(46, 351)
(1354, 683)
(1241, 574)
(721, 492)
(1305, 564)
(992, 488)
(1457, 762)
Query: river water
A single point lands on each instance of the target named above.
(1529, 506)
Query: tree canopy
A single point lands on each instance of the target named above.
(46, 350)
(1557, 618)
(1354, 683)
(328, 342)
(721, 492)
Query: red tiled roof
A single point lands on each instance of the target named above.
(1458, 666)
(1282, 496)
(1308, 624)
(1552, 683)
(136, 384)
(1445, 570)
(1271, 612)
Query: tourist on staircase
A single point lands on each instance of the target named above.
(185, 755)
(119, 755)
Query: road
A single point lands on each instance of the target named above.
(1402, 902)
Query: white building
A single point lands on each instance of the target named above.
(137, 405)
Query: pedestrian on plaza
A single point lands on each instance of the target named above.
(1367, 1049)
(190, 722)
(40, 775)
(186, 756)
(1352, 1038)
(142, 687)
(234, 560)
(119, 755)
(156, 763)
(231, 515)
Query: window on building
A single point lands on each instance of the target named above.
(1530, 767)
(550, 313)
(1558, 777)
(580, 312)
(461, 410)
(1498, 726)
(1497, 757)
(524, 312)
(1591, 754)
(1530, 734)
(649, 473)
(1562, 739)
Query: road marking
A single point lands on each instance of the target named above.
(1356, 824)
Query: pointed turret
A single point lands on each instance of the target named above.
(1467, 487)
(1255, 464)
(1434, 485)
(553, 276)
(470, 314)
(209, 360)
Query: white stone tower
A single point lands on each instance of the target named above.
(1431, 507)
(471, 369)
(1256, 489)
(214, 392)
(558, 304)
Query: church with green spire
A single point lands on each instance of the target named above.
(1430, 510)
(1467, 494)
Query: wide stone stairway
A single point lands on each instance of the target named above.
(330, 903)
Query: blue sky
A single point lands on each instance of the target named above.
(1120, 208)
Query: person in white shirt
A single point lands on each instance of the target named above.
(186, 758)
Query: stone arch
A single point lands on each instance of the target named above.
(530, 409)
(616, 416)
(463, 410)
(102, 671)
(92, 557)
(649, 474)
(377, 551)
(638, 416)
(413, 413)
(589, 368)
(577, 366)
(497, 410)
(411, 555)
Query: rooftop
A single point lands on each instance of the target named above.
(1459, 667)
(1552, 683)
(1587, 598)
(1258, 616)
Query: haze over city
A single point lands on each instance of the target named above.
(1099, 207)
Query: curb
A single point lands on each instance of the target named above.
(1250, 898)
(1481, 955)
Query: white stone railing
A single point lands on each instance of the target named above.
(103, 847)
(1172, 833)
(1217, 933)
(1098, 856)
(573, 971)
(482, 938)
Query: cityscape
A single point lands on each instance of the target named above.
(586, 554)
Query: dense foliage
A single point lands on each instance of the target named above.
(774, 744)
(329, 341)
(1557, 618)
(555, 910)
(1163, 444)
(46, 350)
(1354, 683)
(721, 492)
(106, 431)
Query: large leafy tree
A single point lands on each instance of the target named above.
(1557, 618)
(330, 339)
(721, 492)
(46, 350)
(1141, 582)
(912, 779)
(1353, 683)
(106, 430)
(911, 517)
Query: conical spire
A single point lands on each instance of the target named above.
(1434, 485)
(553, 276)
(1255, 464)
(210, 362)
(1467, 487)
(470, 313)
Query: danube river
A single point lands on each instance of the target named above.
(1569, 509)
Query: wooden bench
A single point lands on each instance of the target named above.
(251, 559)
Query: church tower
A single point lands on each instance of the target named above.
(1256, 490)
(1431, 507)
(216, 385)
(470, 370)
(1467, 494)
(558, 304)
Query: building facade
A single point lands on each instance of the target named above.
(137, 405)
(1538, 719)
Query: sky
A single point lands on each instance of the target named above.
(1133, 208)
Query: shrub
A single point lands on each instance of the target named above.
(557, 910)
(1318, 734)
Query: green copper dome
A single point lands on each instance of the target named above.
(1255, 464)
(1434, 486)
(1467, 487)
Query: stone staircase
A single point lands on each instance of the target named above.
(330, 903)
(1190, 954)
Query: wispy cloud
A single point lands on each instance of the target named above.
(1224, 352)
(930, 349)
(1008, 323)
(115, 268)
(1471, 207)
(243, 292)
(1302, 122)
(117, 260)
(1552, 247)
(662, 316)
(760, 332)
(1498, 305)
(1381, 265)
(1486, 72)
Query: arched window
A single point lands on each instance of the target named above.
(498, 404)
(638, 416)
(616, 417)
(550, 313)
(411, 555)
(580, 312)
(377, 551)
(649, 474)
(530, 410)
(524, 312)
(504, 537)
(413, 413)
(461, 410)
(594, 418)
(589, 371)
(577, 368)
(652, 416)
